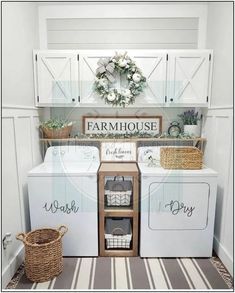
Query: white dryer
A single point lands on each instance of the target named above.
(177, 209)
(63, 190)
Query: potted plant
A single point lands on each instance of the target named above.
(56, 128)
(190, 121)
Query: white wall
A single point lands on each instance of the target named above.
(19, 37)
(110, 33)
(76, 114)
(124, 11)
(20, 119)
(220, 39)
(218, 127)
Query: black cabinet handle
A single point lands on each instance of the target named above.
(171, 100)
(73, 100)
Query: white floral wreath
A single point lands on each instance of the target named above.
(105, 77)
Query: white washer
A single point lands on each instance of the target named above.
(177, 209)
(63, 190)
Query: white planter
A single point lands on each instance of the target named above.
(193, 130)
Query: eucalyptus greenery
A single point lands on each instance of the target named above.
(56, 123)
(129, 135)
(189, 117)
(106, 76)
(180, 136)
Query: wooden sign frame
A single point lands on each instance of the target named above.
(158, 119)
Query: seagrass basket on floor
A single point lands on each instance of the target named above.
(43, 253)
(181, 158)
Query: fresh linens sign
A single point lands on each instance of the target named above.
(118, 151)
(121, 125)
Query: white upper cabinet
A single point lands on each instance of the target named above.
(174, 78)
(153, 66)
(87, 68)
(56, 78)
(151, 63)
(188, 77)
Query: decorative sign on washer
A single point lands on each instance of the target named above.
(121, 125)
(118, 151)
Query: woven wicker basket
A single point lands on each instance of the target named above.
(181, 158)
(57, 133)
(43, 253)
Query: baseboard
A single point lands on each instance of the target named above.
(12, 267)
(224, 256)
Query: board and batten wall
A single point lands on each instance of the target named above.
(218, 125)
(20, 119)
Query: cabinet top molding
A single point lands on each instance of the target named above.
(132, 51)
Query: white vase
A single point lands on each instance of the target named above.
(193, 130)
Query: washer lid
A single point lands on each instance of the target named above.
(145, 170)
(65, 169)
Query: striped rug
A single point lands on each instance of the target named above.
(133, 273)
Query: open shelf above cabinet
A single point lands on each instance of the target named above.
(196, 142)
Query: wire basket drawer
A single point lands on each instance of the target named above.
(118, 233)
(118, 192)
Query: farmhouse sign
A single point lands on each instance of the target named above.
(123, 124)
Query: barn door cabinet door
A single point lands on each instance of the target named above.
(153, 67)
(152, 64)
(188, 78)
(87, 67)
(56, 78)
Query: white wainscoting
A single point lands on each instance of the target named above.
(20, 152)
(218, 129)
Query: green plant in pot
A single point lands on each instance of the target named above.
(190, 121)
(56, 128)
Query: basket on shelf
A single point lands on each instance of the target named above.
(118, 233)
(43, 253)
(117, 192)
(63, 132)
(181, 158)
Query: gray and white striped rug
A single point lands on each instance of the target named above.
(134, 273)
